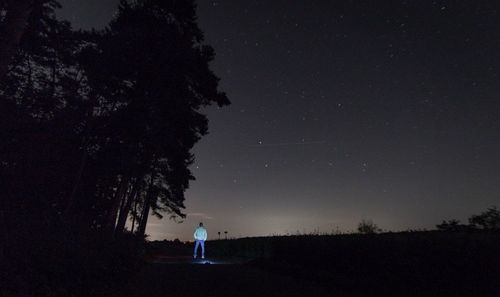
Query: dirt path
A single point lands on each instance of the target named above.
(185, 280)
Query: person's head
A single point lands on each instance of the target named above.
(201, 224)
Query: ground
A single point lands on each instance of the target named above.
(411, 264)
(216, 280)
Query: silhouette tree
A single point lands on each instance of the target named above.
(39, 101)
(98, 126)
(488, 220)
(95, 122)
(225, 233)
(151, 68)
(368, 227)
(42, 104)
(15, 15)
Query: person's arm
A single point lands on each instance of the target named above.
(205, 235)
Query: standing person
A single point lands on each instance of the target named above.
(200, 235)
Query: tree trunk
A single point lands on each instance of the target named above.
(125, 210)
(141, 230)
(134, 215)
(14, 25)
(115, 205)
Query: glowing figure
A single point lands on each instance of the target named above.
(200, 235)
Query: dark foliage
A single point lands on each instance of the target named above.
(368, 227)
(453, 225)
(487, 220)
(97, 129)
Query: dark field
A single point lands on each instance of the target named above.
(218, 281)
(390, 264)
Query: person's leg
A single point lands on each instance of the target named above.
(202, 242)
(197, 243)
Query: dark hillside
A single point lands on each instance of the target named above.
(390, 264)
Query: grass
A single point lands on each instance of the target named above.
(425, 263)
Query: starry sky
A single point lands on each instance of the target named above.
(341, 111)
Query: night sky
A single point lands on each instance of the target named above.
(342, 110)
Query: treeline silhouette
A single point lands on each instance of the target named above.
(96, 131)
(486, 220)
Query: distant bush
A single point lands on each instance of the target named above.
(488, 220)
(368, 227)
(452, 225)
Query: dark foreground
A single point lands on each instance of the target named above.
(185, 280)
(415, 264)
(233, 280)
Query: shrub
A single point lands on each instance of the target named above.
(368, 227)
(489, 219)
(452, 225)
